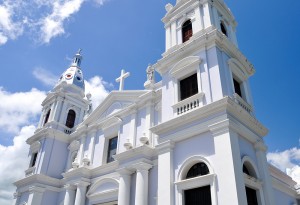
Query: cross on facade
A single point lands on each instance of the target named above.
(122, 78)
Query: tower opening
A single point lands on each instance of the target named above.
(223, 29)
(187, 31)
(47, 116)
(71, 119)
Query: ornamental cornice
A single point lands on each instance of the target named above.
(234, 112)
(202, 40)
(48, 133)
(38, 178)
(144, 151)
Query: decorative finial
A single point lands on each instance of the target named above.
(77, 59)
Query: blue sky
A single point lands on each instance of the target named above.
(38, 38)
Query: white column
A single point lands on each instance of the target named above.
(141, 194)
(35, 195)
(81, 149)
(165, 191)
(52, 113)
(149, 122)
(57, 109)
(92, 146)
(168, 37)
(264, 172)
(207, 15)
(63, 113)
(70, 194)
(133, 128)
(124, 186)
(173, 34)
(80, 193)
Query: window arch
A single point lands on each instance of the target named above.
(71, 119)
(47, 116)
(223, 29)
(187, 31)
(196, 170)
(196, 182)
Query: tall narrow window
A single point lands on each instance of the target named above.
(33, 159)
(187, 31)
(223, 29)
(47, 116)
(237, 87)
(188, 87)
(71, 119)
(112, 149)
(199, 195)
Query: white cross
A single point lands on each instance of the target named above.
(122, 78)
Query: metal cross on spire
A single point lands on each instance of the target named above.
(121, 79)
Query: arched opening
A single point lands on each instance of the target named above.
(250, 192)
(198, 195)
(47, 116)
(187, 31)
(223, 29)
(198, 169)
(71, 119)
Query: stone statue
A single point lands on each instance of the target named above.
(150, 73)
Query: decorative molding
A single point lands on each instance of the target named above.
(114, 121)
(185, 66)
(195, 182)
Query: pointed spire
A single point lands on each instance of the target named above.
(77, 59)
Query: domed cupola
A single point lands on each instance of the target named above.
(72, 79)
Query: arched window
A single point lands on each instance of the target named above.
(187, 31)
(198, 169)
(223, 29)
(47, 116)
(71, 119)
(198, 195)
(251, 193)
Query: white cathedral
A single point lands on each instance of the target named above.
(190, 139)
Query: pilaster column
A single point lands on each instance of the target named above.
(57, 109)
(165, 174)
(92, 145)
(149, 122)
(70, 194)
(124, 186)
(35, 195)
(133, 128)
(80, 193)
(141, 194)
(263, 168)
(52, 113)
(81, 149)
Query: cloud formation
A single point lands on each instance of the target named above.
(43, 18)
(19, 109)
(14, 161)
(44, 76)
(287, 161)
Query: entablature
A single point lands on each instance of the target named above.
(202, 40)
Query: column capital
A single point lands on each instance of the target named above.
(69, 187)
(142, 166)
(124, 171)
(82, 184)
(165, 146)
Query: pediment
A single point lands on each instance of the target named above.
(104, 188)
(112, 104)
(186, 65)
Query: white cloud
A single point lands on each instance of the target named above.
(19, 109)
(14, 161)
(45, 76)
(287, 161)
(9, 28)
(42, 18)
(97, 87)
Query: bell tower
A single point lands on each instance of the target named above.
(66, 105)
(206, 98)
(63, 109)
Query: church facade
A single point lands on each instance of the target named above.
(190, 139)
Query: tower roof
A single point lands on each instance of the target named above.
(73, 76)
